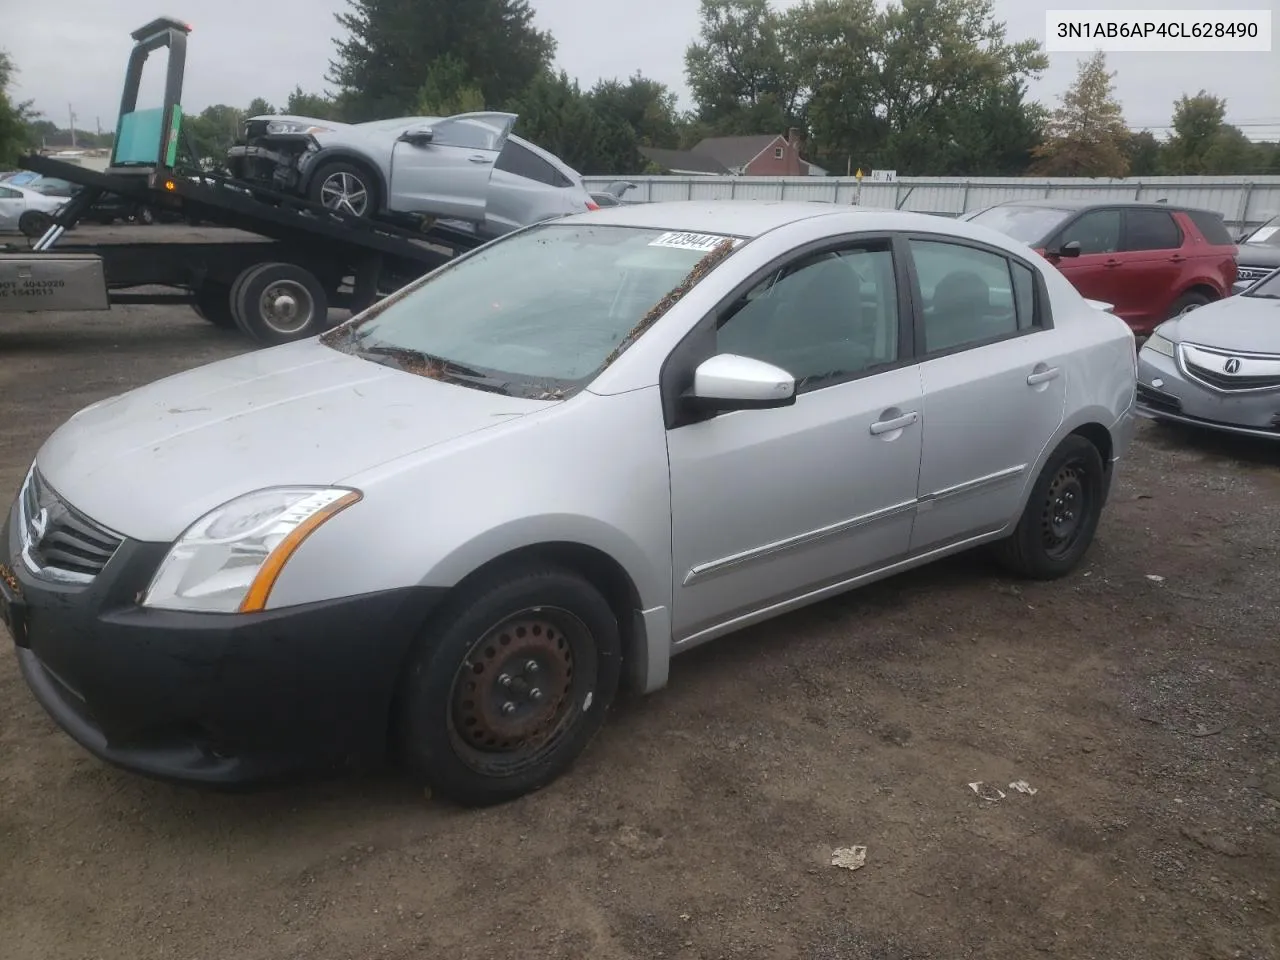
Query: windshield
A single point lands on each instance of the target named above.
(1267, 288)
(1031, 225)
(537, 314)
(1268, 233)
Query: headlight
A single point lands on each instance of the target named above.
(293, 126)
(229, 559)
(1157, 343)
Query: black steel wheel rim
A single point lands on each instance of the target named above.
(520, 689)
(1066, 505)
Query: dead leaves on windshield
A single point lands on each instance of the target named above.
(659, 309)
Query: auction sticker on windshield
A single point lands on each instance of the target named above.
(705, 242)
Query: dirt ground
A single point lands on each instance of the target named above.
(1145, 713)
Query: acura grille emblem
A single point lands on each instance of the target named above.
(1232, 365)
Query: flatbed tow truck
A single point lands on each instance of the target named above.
(283, 264)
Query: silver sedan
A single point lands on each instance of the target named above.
(1218, 366)
(456, 523)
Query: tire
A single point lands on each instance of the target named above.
(340, 179)
(34, 223)
(1190, 300)
(213, 303)
(279, 302)
(461, 744)
(1065, 502)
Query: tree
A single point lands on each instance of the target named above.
(259, 108)
(1144, 154)
(448, 89)
(391, 46)
(555, 114)
(742, 77)
(213, 131)
(15, 138)
(318, 105)
(1087, 133)
(638, 113)
(1197, 121)
(947, 68)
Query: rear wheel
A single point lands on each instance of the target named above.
(1061, 515)
(346, 188)
(279, 302)
(510, 685)
(35, 223)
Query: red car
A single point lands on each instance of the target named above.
(1152, 261)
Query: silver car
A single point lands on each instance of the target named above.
(15, 201)
(1218, 366)
(468, 168)
(452, 526)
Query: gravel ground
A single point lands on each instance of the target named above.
(700, 824)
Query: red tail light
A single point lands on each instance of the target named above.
(592, 205)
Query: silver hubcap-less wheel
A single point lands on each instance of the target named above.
(286, 307)
(346, 193)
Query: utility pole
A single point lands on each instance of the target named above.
(72, 113)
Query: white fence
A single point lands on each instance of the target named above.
(1243, 201)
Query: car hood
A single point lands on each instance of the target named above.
(150, 462)
(1258, 255)
(1246, 324)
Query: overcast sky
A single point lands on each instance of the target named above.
(74, 52)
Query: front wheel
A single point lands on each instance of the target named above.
(1061, 515)
(35, 223)
(510, 685)
(345, 188)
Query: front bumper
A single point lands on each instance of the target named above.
(1166, 393)
(209, 698)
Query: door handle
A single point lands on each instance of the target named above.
(479, 159)
(1113, 263)
(897, 423)
(1177, 258)
(1044, 376)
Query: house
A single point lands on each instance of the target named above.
(762, 155)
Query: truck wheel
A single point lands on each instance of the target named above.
(345, 188)
(1061, 515)
(213, 303)
(34, 223)
(279, 302)
(509, 684)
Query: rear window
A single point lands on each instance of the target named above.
(525, 163)
(1151, 230)
(1210, 224)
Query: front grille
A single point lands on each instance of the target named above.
(1225, 382)
(59, 540)
(1158, 399)
(1252, 274)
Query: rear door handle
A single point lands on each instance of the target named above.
(476, 159)
(1044, 376)
(1113, 263)
(897, 423)
(1177, 258)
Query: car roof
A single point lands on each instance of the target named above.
(751, 218)
(1078, 204)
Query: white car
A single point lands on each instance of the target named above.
(15, 201)
(457, 522)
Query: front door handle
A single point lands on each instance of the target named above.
(1113, 263)
(1044, 376)
(897, 423)
(479, 159)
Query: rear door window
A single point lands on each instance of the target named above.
(525, 163)
(1150, 230)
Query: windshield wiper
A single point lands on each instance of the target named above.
(435, 368)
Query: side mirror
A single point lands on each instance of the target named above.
(418, 135)
(1243, 238)
(730, 382)
(1068, 250)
